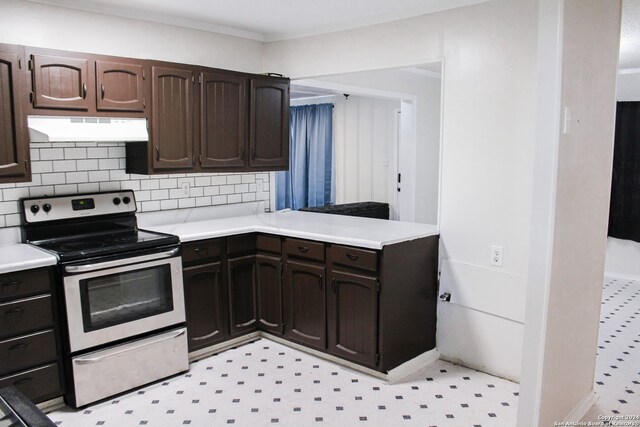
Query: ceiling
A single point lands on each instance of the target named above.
(265, 20)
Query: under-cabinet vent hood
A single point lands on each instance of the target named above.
(89, 129)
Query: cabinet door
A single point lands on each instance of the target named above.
(352, 309)
(60, 83)
(223, 121)
(242, 294)
(172, 118)
(120, 87)
(269, 290)
(304, 304)
(204, 303)
(14, 142)
(269, 124)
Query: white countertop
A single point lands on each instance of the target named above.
(355, 231)
(19, 256)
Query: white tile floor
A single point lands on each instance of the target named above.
(617, 378)
(266, 383)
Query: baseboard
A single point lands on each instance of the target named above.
(614, 275)
(194, 356)
(478, 368)
(409, 367)
(581, 409)
(51, 405)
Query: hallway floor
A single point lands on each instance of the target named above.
(617, 378)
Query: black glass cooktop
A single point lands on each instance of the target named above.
(100, 244)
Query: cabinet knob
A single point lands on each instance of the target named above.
(102, 90)
(84, 91)
(157, 154)
(303, 249)
(352, 257)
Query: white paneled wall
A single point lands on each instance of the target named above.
(68, 168)
(364, 148)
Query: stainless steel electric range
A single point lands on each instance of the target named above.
(122, 292)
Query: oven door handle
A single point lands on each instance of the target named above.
(128, 349)
(118, 263)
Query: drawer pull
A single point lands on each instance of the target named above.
(352, 257)
(303, 249)
(15, 282)
(19, 311)
(201, 251)
(21, 345)
(333, 285)
(23, 381)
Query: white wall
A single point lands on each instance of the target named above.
(40, 25)
(490, 58)
(571, 290)
(629, 86)
(426, 90)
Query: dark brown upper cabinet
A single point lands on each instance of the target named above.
(269, 123)
(60, 82)
(120, 86)
(14, 142)
(171, 136)
(223, 121)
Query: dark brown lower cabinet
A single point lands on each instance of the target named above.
(206, 312)
(269, 290)
(304, 303)
(352, 312)
(242, 294)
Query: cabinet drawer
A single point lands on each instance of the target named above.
(24, 283)
(242, 244)
(37, 384)
(354, 257)
(304, 249)
(201, 250)
(25, 315)
(24, 352)
(267, 243)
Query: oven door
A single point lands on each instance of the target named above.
(112, 300)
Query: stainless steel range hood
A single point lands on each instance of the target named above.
(86, 129)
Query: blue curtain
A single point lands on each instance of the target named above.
(309, 180)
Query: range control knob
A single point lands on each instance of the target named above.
(46, 207)
(116, 201)
(126, 200)
(34, 209)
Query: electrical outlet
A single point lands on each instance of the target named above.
(185, 189)
(496, 255)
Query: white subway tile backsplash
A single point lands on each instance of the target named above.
(203, 181)
(41, 167)
(84, 167)
(150, 184)
(151, 206)
(108, 164)
(53, 178)
(15, 193)
(64, 165)
(168, 204)
(97, 153)
(87, 164)
(186, 203)
(12, 220)
(65, 189)
(234, 198)
(75, 153)
(159, 194)
(77, 177)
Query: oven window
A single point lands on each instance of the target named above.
(124, 297)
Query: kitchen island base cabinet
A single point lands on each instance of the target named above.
(304, 303)
(204, 297)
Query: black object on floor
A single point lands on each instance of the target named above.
(17, 410)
